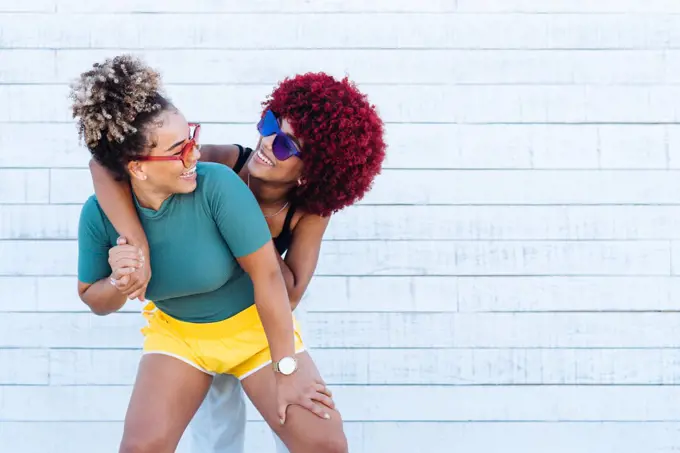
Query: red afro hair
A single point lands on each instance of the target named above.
(342, 134)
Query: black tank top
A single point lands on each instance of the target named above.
(282, 241)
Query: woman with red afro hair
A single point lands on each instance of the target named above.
(320, 148)
(343, 147)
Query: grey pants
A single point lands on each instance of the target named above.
(220, 423)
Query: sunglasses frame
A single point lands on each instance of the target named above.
(187, 149)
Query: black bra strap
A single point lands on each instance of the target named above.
(243, 155)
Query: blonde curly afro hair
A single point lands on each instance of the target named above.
(114, 103)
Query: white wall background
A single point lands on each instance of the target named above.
(508, 286)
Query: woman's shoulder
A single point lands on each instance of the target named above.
(218, 184)
(302, 220)
(91, 211)
(93, 221)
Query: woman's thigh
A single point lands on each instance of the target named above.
(166, 395)
(219, 424)
(303, 432)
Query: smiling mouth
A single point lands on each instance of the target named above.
(264, 159)
(190, 173)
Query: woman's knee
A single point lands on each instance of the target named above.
(333, 444)
(145, 443)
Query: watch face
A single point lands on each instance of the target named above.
(287, 365)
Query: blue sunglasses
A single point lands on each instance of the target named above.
(284, 147)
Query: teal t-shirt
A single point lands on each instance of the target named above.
(194, 241)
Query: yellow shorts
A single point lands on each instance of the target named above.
(236, 346)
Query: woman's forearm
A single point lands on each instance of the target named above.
(289, 279)
(115, 198)
(103, 298)
(276, 315)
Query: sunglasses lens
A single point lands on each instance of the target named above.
(283, 147)
(187, 154)
(268, 125)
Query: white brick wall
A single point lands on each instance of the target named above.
(508, 286)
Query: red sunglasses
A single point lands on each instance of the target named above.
(187, 149)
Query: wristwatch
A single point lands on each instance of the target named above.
(286, 366)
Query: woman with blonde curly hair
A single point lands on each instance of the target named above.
(220, 304)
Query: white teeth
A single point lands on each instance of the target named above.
(190, 172)
(261, 155)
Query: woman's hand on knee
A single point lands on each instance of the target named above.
(305, 390)
(324, 396)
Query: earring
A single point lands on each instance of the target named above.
(299, 181)
(143, 177)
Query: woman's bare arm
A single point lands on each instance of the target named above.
(303, 255)
(271, 299)
(115, 199)
(102, 297)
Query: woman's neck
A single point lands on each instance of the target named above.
(268, 194)
(148, 198)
